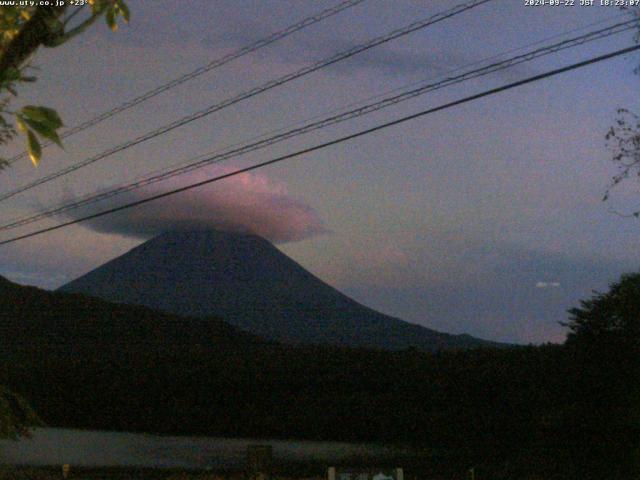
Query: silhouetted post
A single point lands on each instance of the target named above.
(259, 459)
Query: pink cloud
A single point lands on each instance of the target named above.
(248, 203)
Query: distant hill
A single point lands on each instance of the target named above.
(30, 315)
(87, 363)
(249, 283)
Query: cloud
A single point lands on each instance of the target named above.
(547, 284)
(247, 203)
(374, 263)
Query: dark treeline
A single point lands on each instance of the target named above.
(565, 410)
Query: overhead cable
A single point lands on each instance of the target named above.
(201, 70)
(251, 93)
(336, 141)
(332, 120)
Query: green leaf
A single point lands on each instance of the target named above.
(11, 74)
(124, 10)
(111, 19)
(44, 115)
(45, 131)
(20, 123)
(34, 148)
(97, 7)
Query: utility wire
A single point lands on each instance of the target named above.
(336, 141)
(204, 69)
(253, 92)
(332, 120)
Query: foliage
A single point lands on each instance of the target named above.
(23, 29)
(603, 346)
(16, 415)
(566, 410)
(105, 366)
(624, 141)
(623, 138)
(609, 319)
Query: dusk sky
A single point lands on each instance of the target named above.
(485, 218)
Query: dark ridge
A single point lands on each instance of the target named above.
(30, 314)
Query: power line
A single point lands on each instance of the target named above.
(332, 120)
(204, 69)
(345, 138)
(618, 28)
(253, 92)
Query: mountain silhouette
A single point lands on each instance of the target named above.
(248, 282)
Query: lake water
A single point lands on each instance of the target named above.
(51, 446)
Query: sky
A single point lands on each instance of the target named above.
(486, 218)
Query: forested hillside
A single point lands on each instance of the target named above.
(89, 364)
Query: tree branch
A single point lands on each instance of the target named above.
(68, 18)
(75, 31)
(34, 33)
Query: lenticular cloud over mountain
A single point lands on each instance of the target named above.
(246, 203)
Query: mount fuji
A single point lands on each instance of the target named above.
(248, 282)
